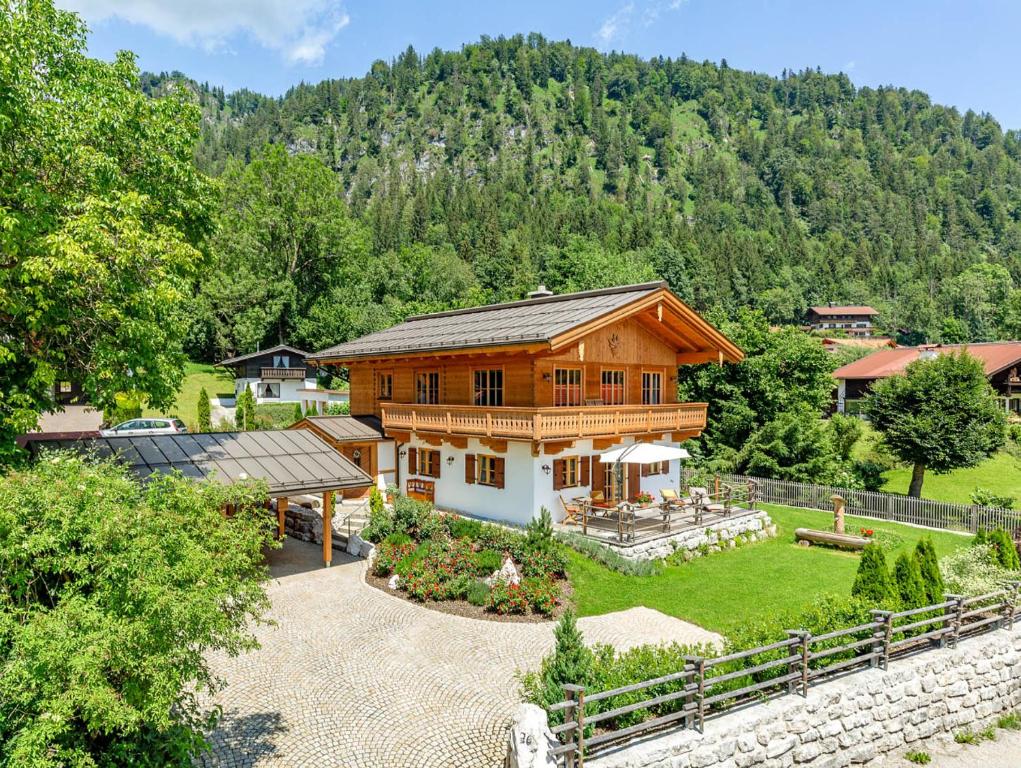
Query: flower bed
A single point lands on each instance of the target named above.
(461, 566)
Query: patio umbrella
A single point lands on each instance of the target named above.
(643, 453)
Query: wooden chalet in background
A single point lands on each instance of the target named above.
(495, 411)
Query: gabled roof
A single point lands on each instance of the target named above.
(291, 463)
(844, 310)
(270, 351)
(542, 322)
(995, 357)
(344, 428)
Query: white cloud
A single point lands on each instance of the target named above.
(614, 26)
(849, 66)
(300, 30)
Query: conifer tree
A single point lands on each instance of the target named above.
(205, 420)
(908, 578)
(1006, 553)
(298, 415)
(981, 537)
(244, 410)
(928, 566)
(872, 583)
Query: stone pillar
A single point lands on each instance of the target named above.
(281, 516)
(838, 513)
(327, 528)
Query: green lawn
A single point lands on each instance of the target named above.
(1000, 474)
(730, 587)
(196, 375)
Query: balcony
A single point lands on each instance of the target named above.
(544, 424)
(282, 373)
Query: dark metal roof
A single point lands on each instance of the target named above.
(261, 352)
(519, 322)
(291, 462)
(346, 428)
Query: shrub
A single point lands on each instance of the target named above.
(1006, 553)
(981, 536)
(872, 581)
(462, 527)
(542, 594)
(478, 593)
(298, 415)
(376, 504)
(381, 523)
(608, 557)
(398, 538)
(908, 579)
(570, 662)
(973, 571)
(417, 553)
(544, 562)
(870, 474)
(390, 555)
(928, 567)
(205, 417)
(244, 410)
(539, 531)
(487, 561)
(422, 582)
(507, 598)
(986, 498)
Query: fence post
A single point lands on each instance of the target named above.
(575, 696)
(700, 667)
(1009, 603)
(881, 638)
(801, 664)
(690, 665)
(957, 620)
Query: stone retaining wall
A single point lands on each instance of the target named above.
(753, 525)
(853, 720)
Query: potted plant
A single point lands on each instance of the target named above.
(644, 498)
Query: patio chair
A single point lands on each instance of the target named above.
(571, 511)
(704, 502)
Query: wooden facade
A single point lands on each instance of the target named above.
(606, 378)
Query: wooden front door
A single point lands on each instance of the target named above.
(363, 456)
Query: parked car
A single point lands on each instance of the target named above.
(145, 427)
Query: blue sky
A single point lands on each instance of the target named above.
(961, 53)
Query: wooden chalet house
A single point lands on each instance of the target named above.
(495, 411)
(275, 375)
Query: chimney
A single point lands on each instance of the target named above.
(540, 293)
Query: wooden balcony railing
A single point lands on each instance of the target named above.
(282, 373)
(545, 423)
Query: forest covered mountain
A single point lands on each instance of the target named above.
(466, 176)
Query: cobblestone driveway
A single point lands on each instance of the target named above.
(351, 676)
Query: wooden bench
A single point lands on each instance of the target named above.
(840, 540)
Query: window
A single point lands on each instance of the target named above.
(565, 473)
(490, 470)
(566, 386)
(489, 387)
(429, 462)
(427, 387)
(269, 390)
(652, 388)
(281, 361)
(385, 385)
(611, 389)
(656, 468)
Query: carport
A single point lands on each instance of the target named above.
(292, 463)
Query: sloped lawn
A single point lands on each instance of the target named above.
(722, 590)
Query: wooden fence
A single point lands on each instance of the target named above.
(707, 686)
(883, 506)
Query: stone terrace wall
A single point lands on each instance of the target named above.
(853, 720)
(718, 535)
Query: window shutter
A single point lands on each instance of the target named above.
(634, 483)
(412, 461)
(469, 467)
(598, 476)
(498, 471)
(583, 471)
(646, 470)
(437, 461)
(558, 474)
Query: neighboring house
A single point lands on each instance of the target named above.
(275, 375)
(1001, 360)
(498, 410)
(850, 320)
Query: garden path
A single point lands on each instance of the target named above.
(352, 676)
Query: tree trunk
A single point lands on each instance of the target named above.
(917, 476)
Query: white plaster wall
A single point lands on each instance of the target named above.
(527, 488)
(288, 389)
(385, 464)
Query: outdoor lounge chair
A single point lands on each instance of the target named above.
(571, 510)
(671, 500)
(704, 502)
